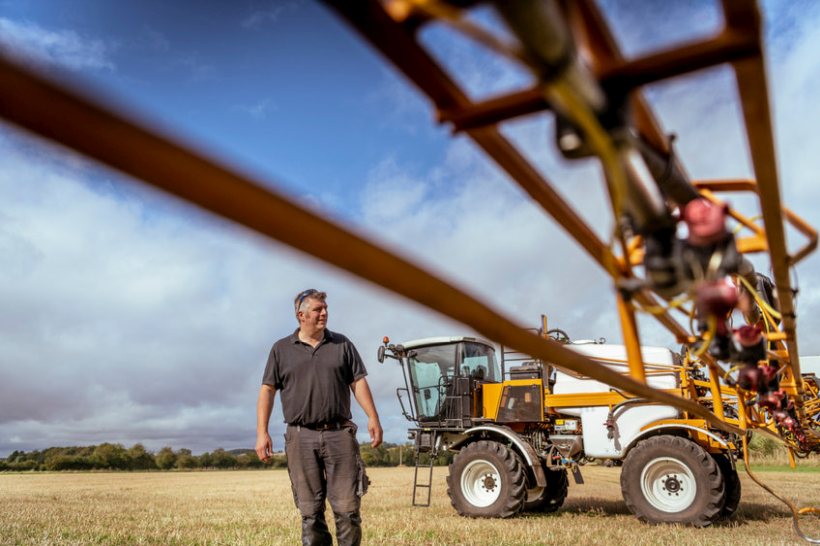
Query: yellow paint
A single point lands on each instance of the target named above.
(491, 399)
(632, 341)
(714, 386)
(582, 399)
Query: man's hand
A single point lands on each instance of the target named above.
(264, 446)
(361, 391)
(374, 427)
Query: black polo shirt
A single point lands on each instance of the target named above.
(315, 383)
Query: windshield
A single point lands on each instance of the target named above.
(431, 368)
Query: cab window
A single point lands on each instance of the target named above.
(478, 362)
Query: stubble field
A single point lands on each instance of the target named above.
(256, 507)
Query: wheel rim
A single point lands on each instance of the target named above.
(481, 483)
(668, 484)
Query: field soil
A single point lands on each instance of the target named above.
(256, 507)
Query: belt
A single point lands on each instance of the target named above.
(323, 426)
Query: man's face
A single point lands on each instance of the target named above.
(315, 316)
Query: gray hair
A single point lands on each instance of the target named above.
(300, 303)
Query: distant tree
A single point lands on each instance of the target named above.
(398, 454)
(763, 446)
(165, 459)
(378, 456)
(443, 459)
(205, 460)
(23, 464)
(110, 456)
(30, 460)
(50, 454)
(185, 459)
(116, 457)
(248, 460)
(61, 461)
(140, 459)
(279, 461)
(407, 454)
(222, 459)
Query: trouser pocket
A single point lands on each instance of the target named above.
(363, 479)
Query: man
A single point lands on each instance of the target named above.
(313, 368)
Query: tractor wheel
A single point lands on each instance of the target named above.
(731, 483)
(551, 497)
(487, 480)
(670, 479)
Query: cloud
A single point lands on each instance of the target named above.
(37, 45)
(193, 65)
(466, 221)
(152, 40)
(641, 27)
(480, 72)
(794, 70)
(262, 17)
(151, 322)
(406, 109)
(131, 318)
(132, 313)
(258, 110)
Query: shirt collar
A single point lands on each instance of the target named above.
(294, 337)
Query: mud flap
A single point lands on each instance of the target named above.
(576, 475)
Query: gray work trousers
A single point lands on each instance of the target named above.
(326, 464)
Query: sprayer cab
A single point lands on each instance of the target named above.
(443, 378)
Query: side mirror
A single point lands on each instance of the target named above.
(380, 354)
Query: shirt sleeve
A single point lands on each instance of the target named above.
(357, 369)
(271, 375)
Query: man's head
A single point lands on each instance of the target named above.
(311, 310)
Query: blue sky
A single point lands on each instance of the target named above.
(129, 317)
(251, 84)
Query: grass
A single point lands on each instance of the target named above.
(256, 507)
(766, 467)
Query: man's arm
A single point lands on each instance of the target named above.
(361, 390)
(264, 406)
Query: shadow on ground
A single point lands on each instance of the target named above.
(595, 506)
(592, 506)
(750, 511)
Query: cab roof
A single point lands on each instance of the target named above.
(443, 340)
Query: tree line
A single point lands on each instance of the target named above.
(109, 456)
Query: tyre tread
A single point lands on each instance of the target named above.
(733, 488)
(554, 494)
(511, 463)
(712, 501)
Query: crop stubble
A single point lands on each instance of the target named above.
(255, 507)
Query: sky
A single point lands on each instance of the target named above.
(127, 316)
